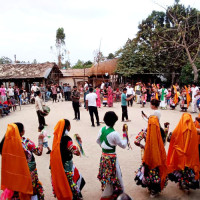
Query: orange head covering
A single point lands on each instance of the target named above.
(188, 97)
(154, 154)
(15, 174)
(175, 95)
(197, 125)
(183, 150)
(59, 178)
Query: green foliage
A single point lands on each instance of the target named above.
(111, 56)
(5, 60)
(81, 65)
(164, 43)
(60, 36)
(186, 76)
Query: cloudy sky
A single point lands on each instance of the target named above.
(28, 27)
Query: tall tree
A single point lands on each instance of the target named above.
(183, 32)
(60, 45)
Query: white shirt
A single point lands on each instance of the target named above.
(10, 92)
(130, 91)
(85, 86)
(194, 91)
(102, 86)
(34, 88)
(113, 138)
(91, 98)
(38, 103)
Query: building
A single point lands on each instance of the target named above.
(75, 76)
(25, 74)
(104, 71)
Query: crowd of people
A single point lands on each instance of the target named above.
(181, 164)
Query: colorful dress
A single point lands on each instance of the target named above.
(183, 154)
(20, 172)
(105, 97)
(109, 170)
(153, 172)
(163, 103)
(30, 148)
(98, 98)
(67, 150)
(110, 97)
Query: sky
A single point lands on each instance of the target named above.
(28, 28)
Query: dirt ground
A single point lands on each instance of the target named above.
(129, 160)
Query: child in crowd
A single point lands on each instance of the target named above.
(42, 131)
(183, 101)
(168, 97)
(172, 103)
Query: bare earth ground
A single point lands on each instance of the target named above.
(129, 160)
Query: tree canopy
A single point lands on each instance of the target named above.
(164, 44)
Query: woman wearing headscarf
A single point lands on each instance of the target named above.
(66, 181)
(153, 171)
(19, 177)
(183, 156)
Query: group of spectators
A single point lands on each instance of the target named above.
(13, 96)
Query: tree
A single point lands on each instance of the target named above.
(60, 46)
(111, 56)
(81, 65)
(165, 42)
(5, 60)
(67, 65)
(183, 32)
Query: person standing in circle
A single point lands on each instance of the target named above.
(124, 100)
(39, 109)
(75, 103)
(91, 105)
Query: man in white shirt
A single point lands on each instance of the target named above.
(35, 87)
(92, 106)
(39, 109)
(194, 90)
(102, 85)
(85, 86)
(130, 92)
(10, 92)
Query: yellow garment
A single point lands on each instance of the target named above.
(175, 95)
(187, 97)
(183, 150)
(15, 174)
(59, 179)
(154, 153)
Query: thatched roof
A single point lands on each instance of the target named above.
(75, 72)
(108, 66)
(23, 71)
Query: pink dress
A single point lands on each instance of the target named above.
(98, 98)
(110, 97)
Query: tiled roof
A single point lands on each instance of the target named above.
(22, 71)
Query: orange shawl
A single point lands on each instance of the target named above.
(154, 154)
(59, 179)
(15, 174)
(196, 123)
(175, 95)
(188, 97)
(183, 150)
